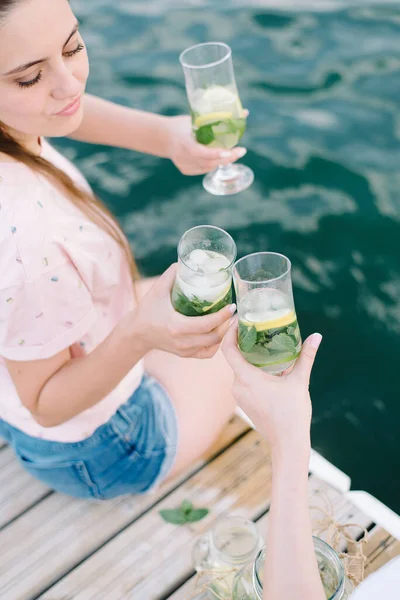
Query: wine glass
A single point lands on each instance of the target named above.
(218, 119)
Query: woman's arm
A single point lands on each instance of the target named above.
(111, 124)
(280, 408)
(290, 569)
(58, 388)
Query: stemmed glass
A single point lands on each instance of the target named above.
(218, 118)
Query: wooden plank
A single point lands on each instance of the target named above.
(152, 556)
(18, 490)
(63, 531)
(380, 549)
(319, 492)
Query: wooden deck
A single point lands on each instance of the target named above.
(57, 548)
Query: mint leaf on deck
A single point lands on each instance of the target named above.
(197, 514)
(186, 513)
(174, 516)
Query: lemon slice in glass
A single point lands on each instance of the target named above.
(281, 321)
(212, 118)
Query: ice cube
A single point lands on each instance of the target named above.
(215, 264)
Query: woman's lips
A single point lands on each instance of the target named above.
(71, 109)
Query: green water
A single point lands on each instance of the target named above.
(323, 93)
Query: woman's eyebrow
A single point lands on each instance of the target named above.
(36, 62)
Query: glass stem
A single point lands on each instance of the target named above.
(226, 172)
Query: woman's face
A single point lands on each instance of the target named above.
(43, 69)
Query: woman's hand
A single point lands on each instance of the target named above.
(192, 158)
(280, 407)
(160, 327)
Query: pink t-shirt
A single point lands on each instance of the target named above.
(62, 281)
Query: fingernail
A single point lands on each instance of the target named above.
(232, 308)
(241, 152)
(225, 154)
(315, 340)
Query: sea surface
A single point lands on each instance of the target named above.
(322, 83)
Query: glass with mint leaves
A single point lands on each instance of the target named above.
(269, 335)
(203, 284)
(218, 119)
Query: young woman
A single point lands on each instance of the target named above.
(102, 389)
(280, 408)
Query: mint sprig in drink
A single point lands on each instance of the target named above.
(269, 335)
(217, 116)
(203, 283)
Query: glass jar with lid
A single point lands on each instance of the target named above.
(247, 584)
(231, 543)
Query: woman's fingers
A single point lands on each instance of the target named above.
(206, 324)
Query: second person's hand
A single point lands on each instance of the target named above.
(192, 158)
(280, 407)
(159, 326)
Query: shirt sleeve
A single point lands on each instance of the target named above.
(41, 317)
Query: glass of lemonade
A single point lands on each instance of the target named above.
(269, 336)
(203, 284)
(218, 119)
(232, 542)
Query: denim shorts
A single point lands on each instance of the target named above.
(130, 454)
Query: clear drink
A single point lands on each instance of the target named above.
(205, 287)
(269, 336)
(217, 116)
(232, 542)
(218, 119)
(203, 283)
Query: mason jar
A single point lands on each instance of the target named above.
(231, 543)
(247, 584)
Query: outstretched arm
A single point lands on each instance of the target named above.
(111, 124)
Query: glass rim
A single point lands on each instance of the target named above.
(207, 65)
(216, 229)
(270, 280)
(244, 520)
(318, 543)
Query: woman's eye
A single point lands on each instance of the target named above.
(27, 84)
(79, 48)
(69, 54)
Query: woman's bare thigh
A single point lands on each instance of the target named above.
(200, 391)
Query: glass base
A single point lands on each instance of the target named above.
(229, 179)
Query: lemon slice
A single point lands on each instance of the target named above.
(212, 118)
(207, 308)
(272, 323)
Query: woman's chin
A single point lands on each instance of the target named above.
(61, 126)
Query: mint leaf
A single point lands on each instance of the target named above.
(205, 134)
(174, 516)
(197, 514)
(282, 343)
(196, 307)
(247, 337)
(186, 507)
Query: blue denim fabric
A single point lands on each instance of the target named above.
(130, 454)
